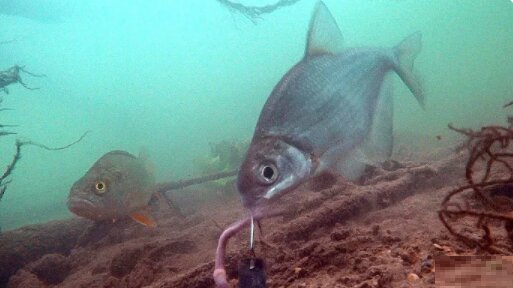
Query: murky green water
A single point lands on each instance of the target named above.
(173, 76)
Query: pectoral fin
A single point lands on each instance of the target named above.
(143, 219)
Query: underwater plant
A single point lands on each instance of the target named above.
(7, 77)
(224, 156)
(12, 75)
(489, 183)
(3, 178)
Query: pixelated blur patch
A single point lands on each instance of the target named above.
(474, 271)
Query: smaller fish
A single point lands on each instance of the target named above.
(118, 185)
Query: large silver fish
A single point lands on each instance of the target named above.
(118, 185)
(331, 112)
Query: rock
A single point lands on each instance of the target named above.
(27, 244)
(124, 262)
(51, 268)
(300, 272)
(338, 236)
(412, 277)
(427, 265)
(25, 279)
(438, 247)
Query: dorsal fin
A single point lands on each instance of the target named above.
(144, 157)
(119, 153)
(324, 36)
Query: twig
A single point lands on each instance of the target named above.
(4, 133)
(29, 142)
(12, 75)
(254, 12)
(488, 146)
(22, 68)
(5, 125)
(164, 187)
(508, 104)
(17, 157)
(2, 191)
(10, 168)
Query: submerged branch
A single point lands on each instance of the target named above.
(254, 12)
(5, 133)
(508, 104)
(174, 185)
(17, 156)
(489, 148)
(162, 188)
(6, 125)
(9, 169)
(22, 68)
(29, 142)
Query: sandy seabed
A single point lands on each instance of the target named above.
(383, 233)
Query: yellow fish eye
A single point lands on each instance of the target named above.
(100, 187)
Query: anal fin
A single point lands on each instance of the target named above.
(378, 145)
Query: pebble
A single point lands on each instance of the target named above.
(412, 277)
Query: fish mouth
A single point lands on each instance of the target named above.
(256, 204)
(82, 207)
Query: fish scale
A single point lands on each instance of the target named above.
(331, 112)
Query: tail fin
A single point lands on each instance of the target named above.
(405, 54)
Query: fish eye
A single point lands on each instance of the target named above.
(268, 173)
(100, 187)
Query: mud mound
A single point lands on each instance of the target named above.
(27, 244)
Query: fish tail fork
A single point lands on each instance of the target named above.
(405, 54)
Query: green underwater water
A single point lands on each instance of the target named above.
(173, 76)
